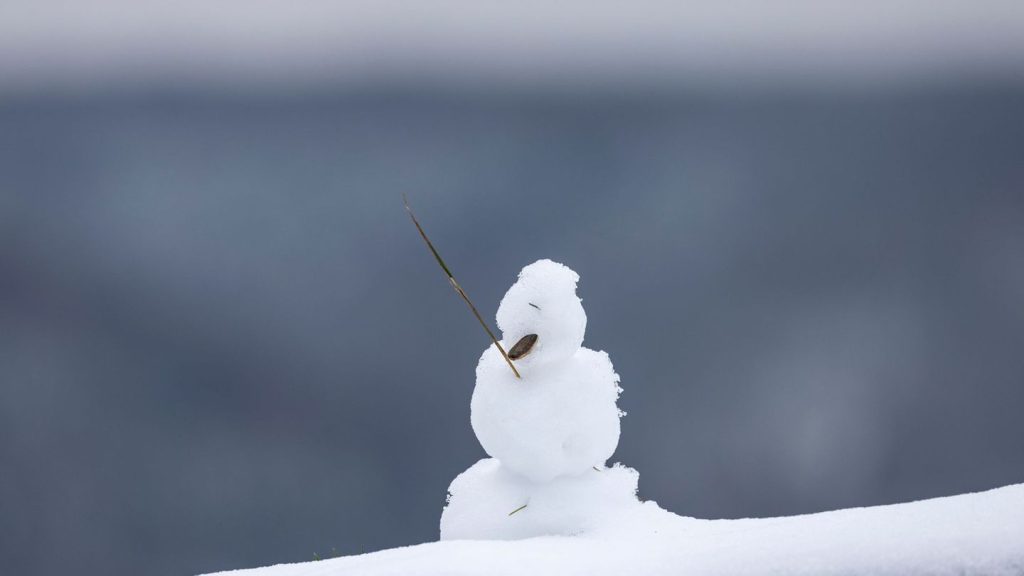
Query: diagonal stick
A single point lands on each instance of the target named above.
(458, 288)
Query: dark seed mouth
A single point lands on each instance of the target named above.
(523, 347)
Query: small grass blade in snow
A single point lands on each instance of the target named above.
(518, 509)
(455, 285)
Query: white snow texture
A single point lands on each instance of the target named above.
(549, 431)
(560, 418)
(969, 535)
(490, 503)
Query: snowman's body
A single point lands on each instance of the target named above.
(560, 417)
(562, 422)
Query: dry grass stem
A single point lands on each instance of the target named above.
(455, 285)
(517, 509)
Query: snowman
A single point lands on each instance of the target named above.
(559, 418)
(549, 430)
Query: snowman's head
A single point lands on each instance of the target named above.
(541, 319)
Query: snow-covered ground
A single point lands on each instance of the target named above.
(979, 534)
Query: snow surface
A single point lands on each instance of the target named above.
(972, 534)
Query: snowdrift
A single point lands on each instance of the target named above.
(980, 534)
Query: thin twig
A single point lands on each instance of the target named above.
(518, 509)
(455, 285)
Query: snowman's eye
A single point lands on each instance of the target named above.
(534, 305)
(523, 347)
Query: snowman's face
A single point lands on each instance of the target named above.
(541, 318)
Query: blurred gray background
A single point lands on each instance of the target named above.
(800, 235)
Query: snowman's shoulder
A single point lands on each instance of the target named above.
(489, 354)
(597, 364)
(593, 357)
(492, 366)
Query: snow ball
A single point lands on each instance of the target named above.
(489, 502)
(543, 302)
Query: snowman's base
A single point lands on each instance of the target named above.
(972, 534)
(487, 502)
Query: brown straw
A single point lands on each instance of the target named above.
(458, 288)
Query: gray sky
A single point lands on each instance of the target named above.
(66, 43)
